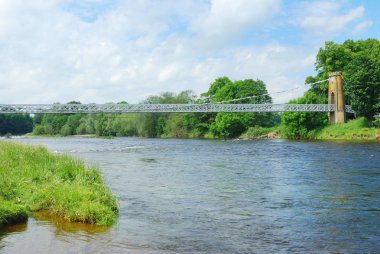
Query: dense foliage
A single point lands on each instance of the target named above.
(299, 125)
(221, 125)
(250, 91)
(15, 124)
(359, 62)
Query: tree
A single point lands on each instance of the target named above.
(230, 125)
(217, 85)
(364, 83)
(53, 123)
(243, 89)
(154, 124)
(299, 125)
(15, 124)
(74, 102)
(359, 61)
(103, 125)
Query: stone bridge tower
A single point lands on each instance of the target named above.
(336, 98)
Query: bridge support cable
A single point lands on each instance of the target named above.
(267, 94)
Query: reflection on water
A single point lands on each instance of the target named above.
(11, 230)
(186, 196)
(48, 236)
(64, 227)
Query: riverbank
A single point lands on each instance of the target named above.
(258, 132)
(32, 179)
(31, 134)
(356, 129)
(11, 213)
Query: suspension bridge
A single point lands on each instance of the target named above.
(335, 108)
(163, 108)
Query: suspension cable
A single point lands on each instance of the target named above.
(284, 91)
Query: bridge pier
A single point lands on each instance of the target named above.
(336, 98)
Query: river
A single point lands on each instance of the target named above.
(202, 196)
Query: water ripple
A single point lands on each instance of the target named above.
(200, 196)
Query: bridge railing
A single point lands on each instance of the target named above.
(162, 108)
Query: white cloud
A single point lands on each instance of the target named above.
(134, 49)
(227, 18)
(330, 22)
(362, 26)
(280, 67)
(324, 18)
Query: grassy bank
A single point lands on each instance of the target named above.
(261, 132)
(11, 213)
(32, 179)
(356, 129)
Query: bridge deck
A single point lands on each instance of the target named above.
(161, 108)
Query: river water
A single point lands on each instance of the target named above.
(202, 196)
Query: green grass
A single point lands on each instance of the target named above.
(356, 129)
(261, 132)
(11, 213)
(352, 130)
(32, 179)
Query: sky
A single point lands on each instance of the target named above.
(97, 51)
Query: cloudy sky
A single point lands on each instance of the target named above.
(111, 50)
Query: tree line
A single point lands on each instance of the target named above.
(15, 124)
(177, 125)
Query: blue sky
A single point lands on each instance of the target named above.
(113, 50)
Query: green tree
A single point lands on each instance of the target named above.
(52, 123)
(15, 123)
(229, 125)
(103, 125)
(86, 124)
(74, 102)
(154, 124)
(299, 125)
(359, 62)
(176, 126)
(217, 85)
(126, 125)
(364, 83)
(66, 130)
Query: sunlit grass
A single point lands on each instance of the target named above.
(352, 130)
(262, 132)
(33, 179)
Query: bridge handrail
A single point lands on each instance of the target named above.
(162, 108)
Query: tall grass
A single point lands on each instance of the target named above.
(262, 132)
(33, 179)
(12, 213)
